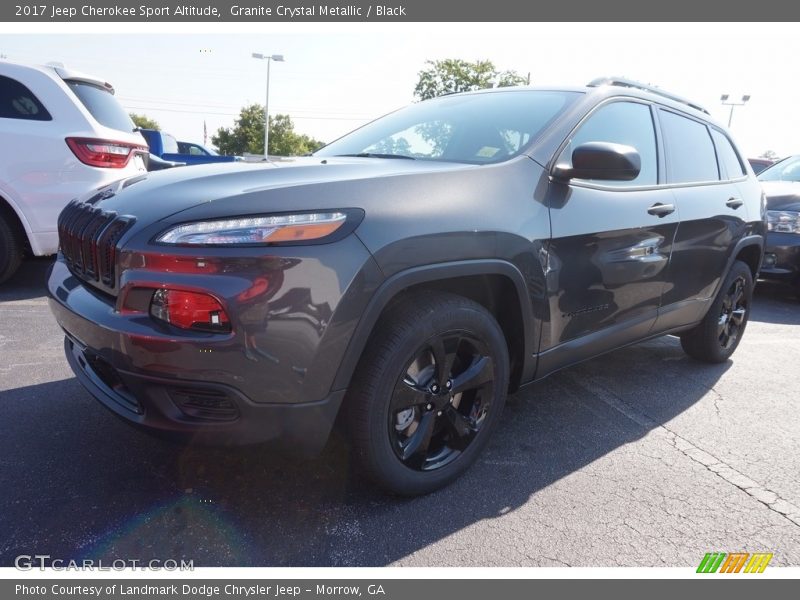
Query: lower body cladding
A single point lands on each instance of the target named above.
(234, 387)
(782, 258)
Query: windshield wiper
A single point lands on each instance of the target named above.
(378, 155)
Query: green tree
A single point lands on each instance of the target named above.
(247, 135)
(453, 75)
(144, 122)
(769, 155)
(285, 141)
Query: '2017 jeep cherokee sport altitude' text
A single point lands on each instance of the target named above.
(410, 273)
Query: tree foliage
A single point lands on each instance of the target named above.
(144, 122)
(247, 135)
(453, 75)
(769, 155)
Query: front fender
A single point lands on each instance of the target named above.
(437, 273)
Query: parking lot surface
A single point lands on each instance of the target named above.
(642, 457)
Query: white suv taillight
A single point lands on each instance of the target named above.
(102, 153)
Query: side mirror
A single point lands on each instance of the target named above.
(603, 161)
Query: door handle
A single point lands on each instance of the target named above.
(661, 210)
(734, 203)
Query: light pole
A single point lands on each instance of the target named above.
(724, 100)
(268, 58)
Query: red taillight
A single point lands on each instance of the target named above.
(189, 310)
(102, 153)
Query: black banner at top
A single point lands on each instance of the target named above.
(262, 11)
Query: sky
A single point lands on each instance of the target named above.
(338, 76)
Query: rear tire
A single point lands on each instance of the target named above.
(428, 392)
(11, 247)
(717, 336)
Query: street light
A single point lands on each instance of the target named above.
(724, 100)
(268, 58)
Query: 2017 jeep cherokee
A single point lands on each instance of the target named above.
(412, 272)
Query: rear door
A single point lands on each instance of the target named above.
(702, 169)
(610, 242)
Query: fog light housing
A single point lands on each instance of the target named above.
(770, 260)
(189, 310)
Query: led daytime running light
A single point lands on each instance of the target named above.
(255, 230)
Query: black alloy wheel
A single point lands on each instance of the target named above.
(733, 313)
(428, 392)
(718, 335)
(441, 401)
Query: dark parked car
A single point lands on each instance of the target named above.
(411, 273)
(781, 184)
(759, 164)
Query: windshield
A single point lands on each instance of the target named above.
(103, 106)
(471, 128)
(786, 170)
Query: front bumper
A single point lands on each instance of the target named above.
(214, 388)
(782, 257)
(204, 413)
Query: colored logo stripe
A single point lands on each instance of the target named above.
(711, 562)
(758, 563)
(734, 562)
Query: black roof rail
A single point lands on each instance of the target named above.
(622, 82)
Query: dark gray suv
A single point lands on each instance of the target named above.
(408, 275)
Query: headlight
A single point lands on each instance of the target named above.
(783, 221)
(255, 230)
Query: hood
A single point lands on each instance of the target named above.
(782, 195)
(160, 194)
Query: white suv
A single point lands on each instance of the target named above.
(62, 134)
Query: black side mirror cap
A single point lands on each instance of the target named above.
(601, 161)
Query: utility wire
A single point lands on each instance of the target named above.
(235, 114)
(321, 113)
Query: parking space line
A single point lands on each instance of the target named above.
(758, 492)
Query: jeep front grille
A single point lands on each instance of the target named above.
(88, 238)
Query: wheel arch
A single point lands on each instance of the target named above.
(9, 211)
(750, 250)
(498, 285)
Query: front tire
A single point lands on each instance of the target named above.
(10, 248)
(428, 392)
(718, 335)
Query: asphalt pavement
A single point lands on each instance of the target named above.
(642, 457)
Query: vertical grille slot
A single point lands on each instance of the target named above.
(91, 236)
(107, 250)
(76, 226)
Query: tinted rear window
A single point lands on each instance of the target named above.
(18, 102)
(690, 153)
(729, 160)
(103, 106)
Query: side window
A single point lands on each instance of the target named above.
(628, 123)
(690, 152)
(729, 160)
(18, 102)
